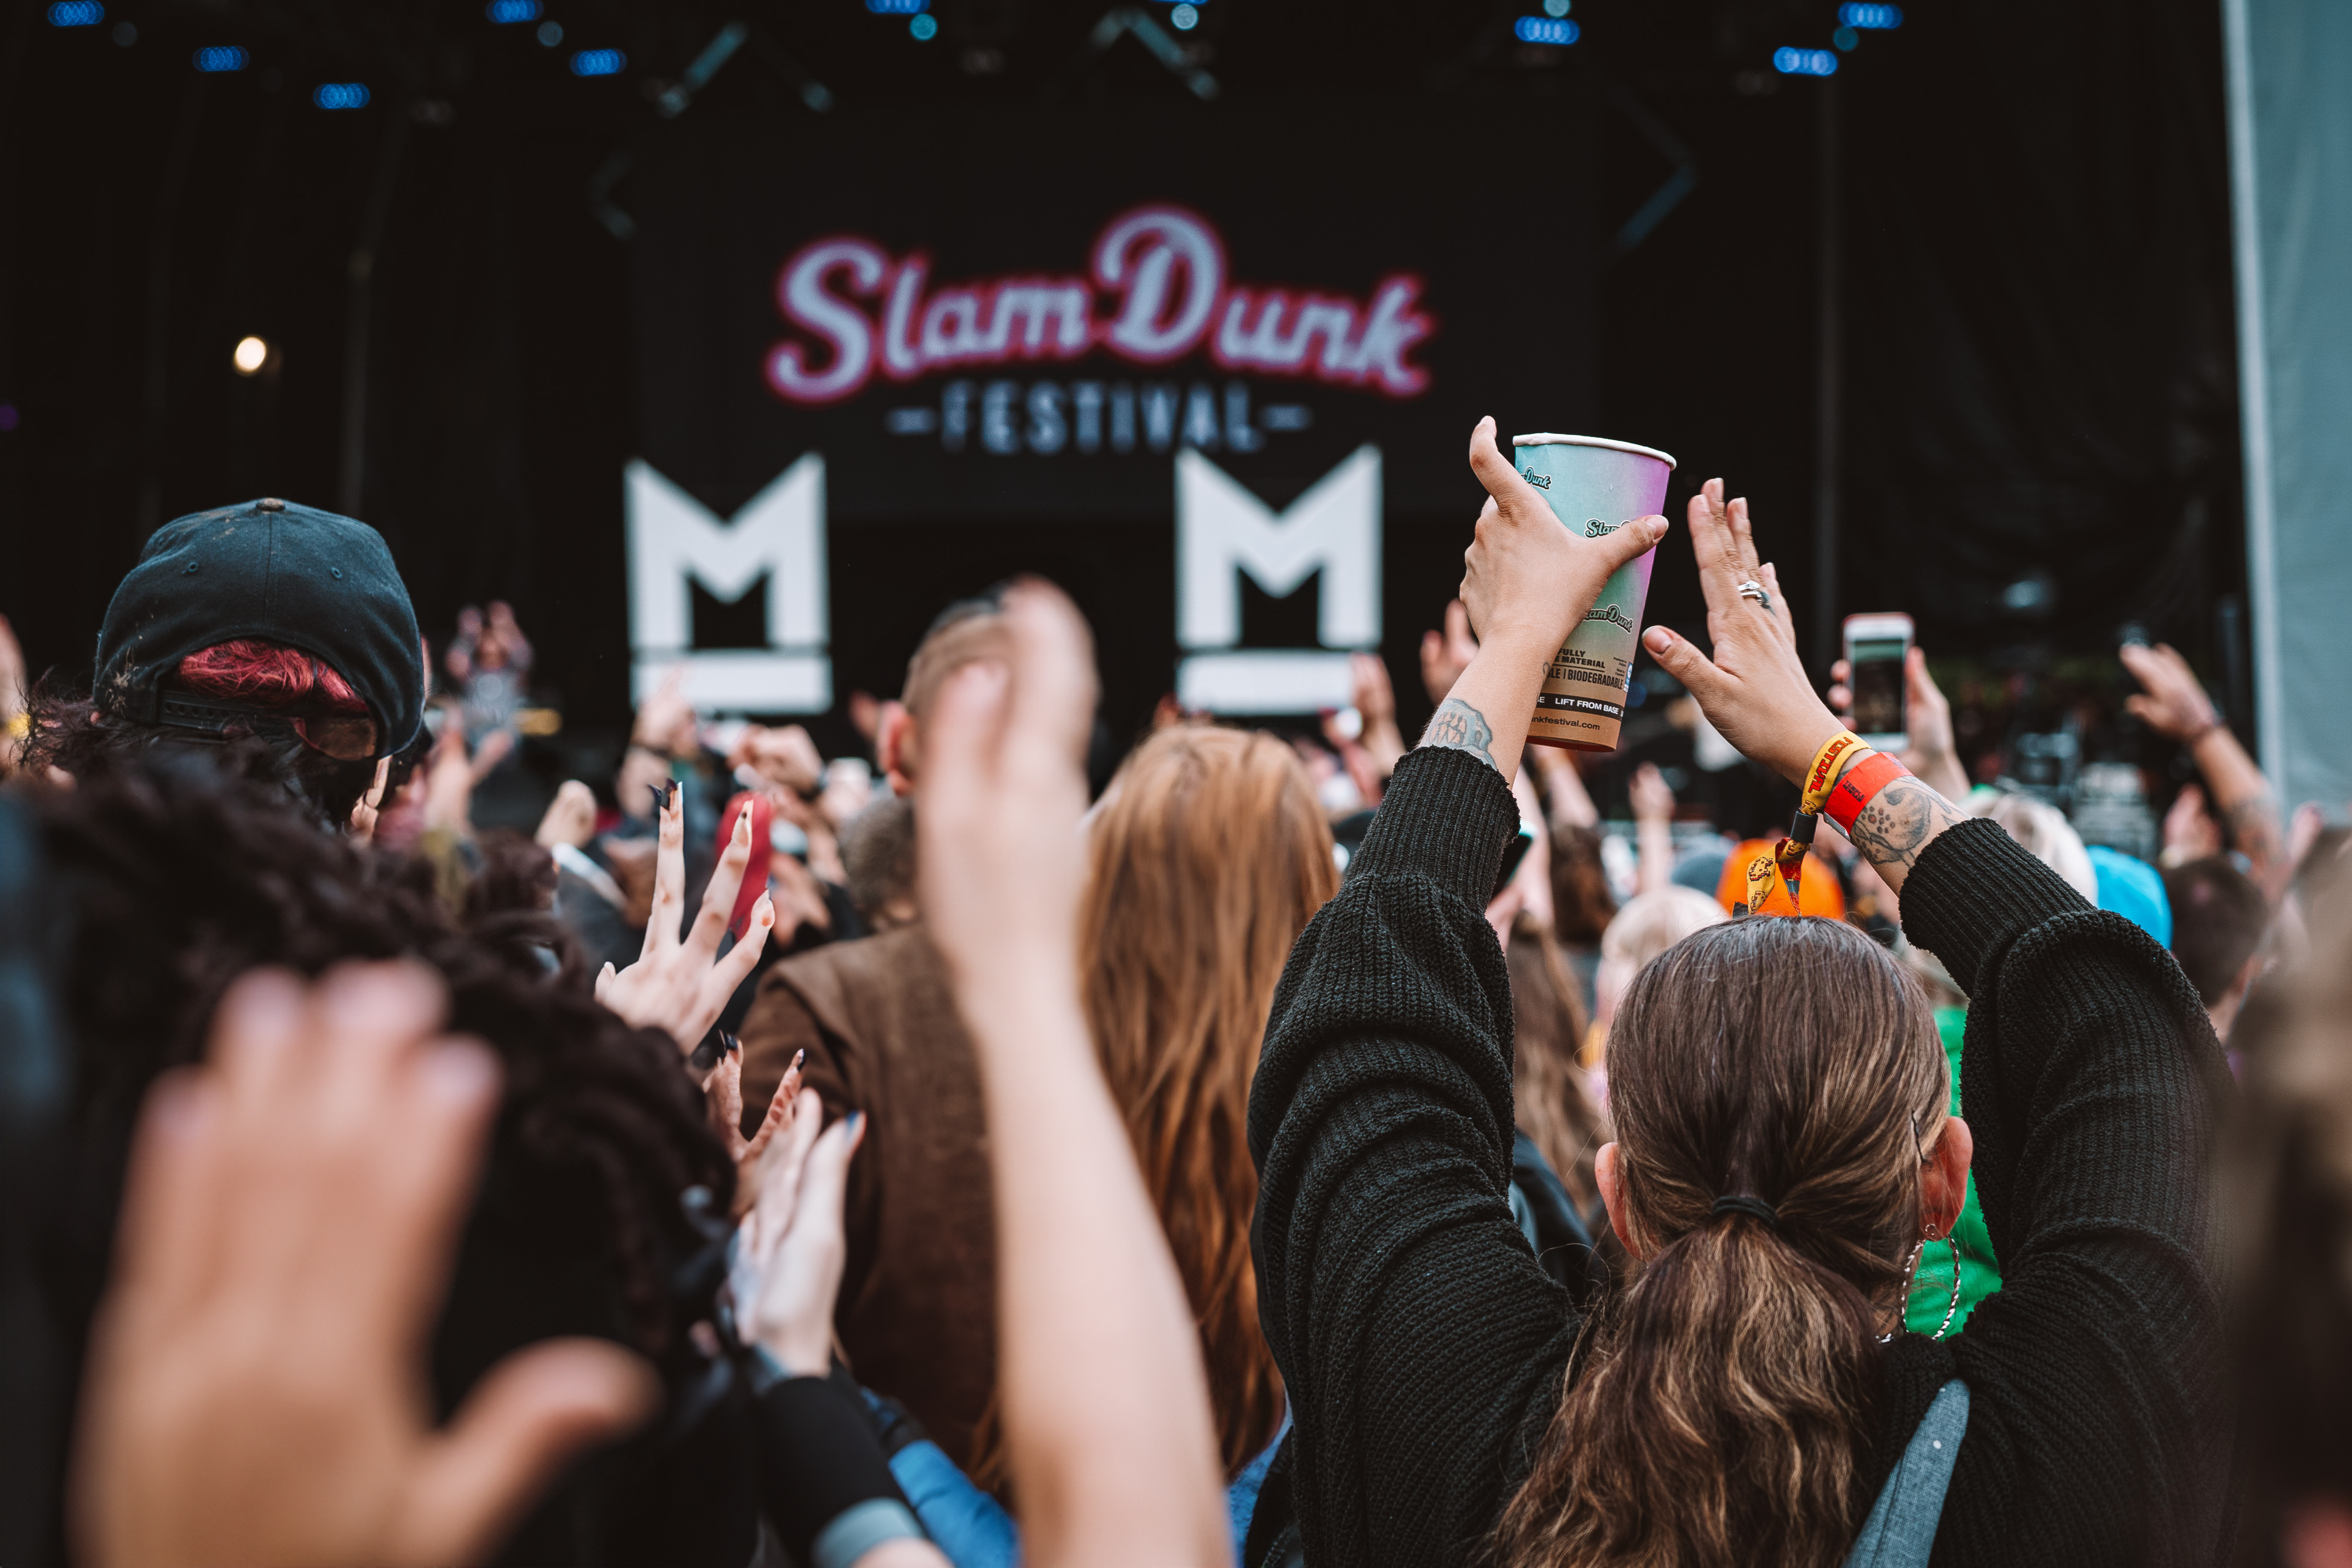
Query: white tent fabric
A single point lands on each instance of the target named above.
(2291, 174)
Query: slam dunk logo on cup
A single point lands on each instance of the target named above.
(1595, 488)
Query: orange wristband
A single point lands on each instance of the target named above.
(1861, 785)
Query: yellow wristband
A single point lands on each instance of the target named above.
(1838, 753)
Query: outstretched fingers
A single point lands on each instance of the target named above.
(670, 876)
(718, 898)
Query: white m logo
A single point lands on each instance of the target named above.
(674, 540)
(1221, 530)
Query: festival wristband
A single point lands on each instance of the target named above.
(1841, 751)
(1859, 786)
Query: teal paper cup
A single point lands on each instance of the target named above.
(1595, 488)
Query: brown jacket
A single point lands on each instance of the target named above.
(917, 1310)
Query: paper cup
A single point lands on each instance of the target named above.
(1595, 488)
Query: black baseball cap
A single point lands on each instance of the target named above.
(280, 572)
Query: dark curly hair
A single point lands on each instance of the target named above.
(176, 873)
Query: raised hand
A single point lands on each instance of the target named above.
(1755, 692)
(786, 758)
(682, 985)
(792, 1249)
(1526, 584)
(571, 816)
(1753, 689)
(1445, 655)
(256, 1391)
(723, 1093)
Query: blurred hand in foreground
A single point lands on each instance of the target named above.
(682, 985)
(1754, 689)
(1004, 904)
(1933, 753)
(256, 1391)
(785, 757)
(2190, 833)
(788, 1262)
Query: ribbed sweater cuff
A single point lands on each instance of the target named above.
(1446, 816)
(1974, 891)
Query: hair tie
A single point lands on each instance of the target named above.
(1754, 1208)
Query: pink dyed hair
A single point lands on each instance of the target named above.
(265, 675)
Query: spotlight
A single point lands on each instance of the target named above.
(340, 95)
(1544, 30)
(925, 27)
(1183, 18)
(1556, 8)
(898, 8)
(598, 63)
(251, 354)
(76, 14)
(1846, 40)
(220, 58)
(504, 12)
(1871, 16)
(550, 34)
(1805, 62)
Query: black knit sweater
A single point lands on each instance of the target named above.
(1423, 1348)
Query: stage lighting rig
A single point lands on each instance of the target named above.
(76, 14)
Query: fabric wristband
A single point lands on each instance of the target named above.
(1858, 785)
(1840, 752)
(824, 1483)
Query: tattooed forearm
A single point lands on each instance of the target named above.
(1897, 823)
(1458, 725)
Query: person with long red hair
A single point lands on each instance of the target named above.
(1207, 857)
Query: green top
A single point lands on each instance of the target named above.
(1931, 1288)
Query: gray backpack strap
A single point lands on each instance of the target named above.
(1901, 1528)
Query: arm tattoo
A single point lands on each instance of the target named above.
(1462, 728)
(1895, 826)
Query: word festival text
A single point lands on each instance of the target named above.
(1156, 291)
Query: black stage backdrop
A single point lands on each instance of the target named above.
(2038, 408)
(1466, 268)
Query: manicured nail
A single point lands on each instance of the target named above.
(799, 1057)
(661, 797)
(730, 1041)
(856, 1123)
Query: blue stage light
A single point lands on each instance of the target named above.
(924, 27)
(340, 95)
(1184, 18)
(598, 63)
(1870, 17)
(1556, 8)
(505, 12)
(1846, 40)
(220, 58)
(1805, 62)
(898, 8)
(76, 14)
(1544, 30)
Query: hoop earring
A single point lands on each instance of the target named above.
(1911, 1271)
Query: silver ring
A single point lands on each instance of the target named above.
(1751, 589)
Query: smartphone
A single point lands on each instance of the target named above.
(1875, 647)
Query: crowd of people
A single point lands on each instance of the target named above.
(1301, 1150)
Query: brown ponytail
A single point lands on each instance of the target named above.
(1724, 1402)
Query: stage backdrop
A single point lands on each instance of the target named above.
(1211, 369)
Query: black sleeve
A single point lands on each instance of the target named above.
(1420, 1343)
(2092, 1083)
(824, 1476)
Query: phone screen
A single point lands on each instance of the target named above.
(1878, 685)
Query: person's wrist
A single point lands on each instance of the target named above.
(1806, 736)
(795, 1350)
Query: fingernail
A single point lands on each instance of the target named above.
(856, 1123)
(1657, 639)
(799, 1057)
(730, 1041)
